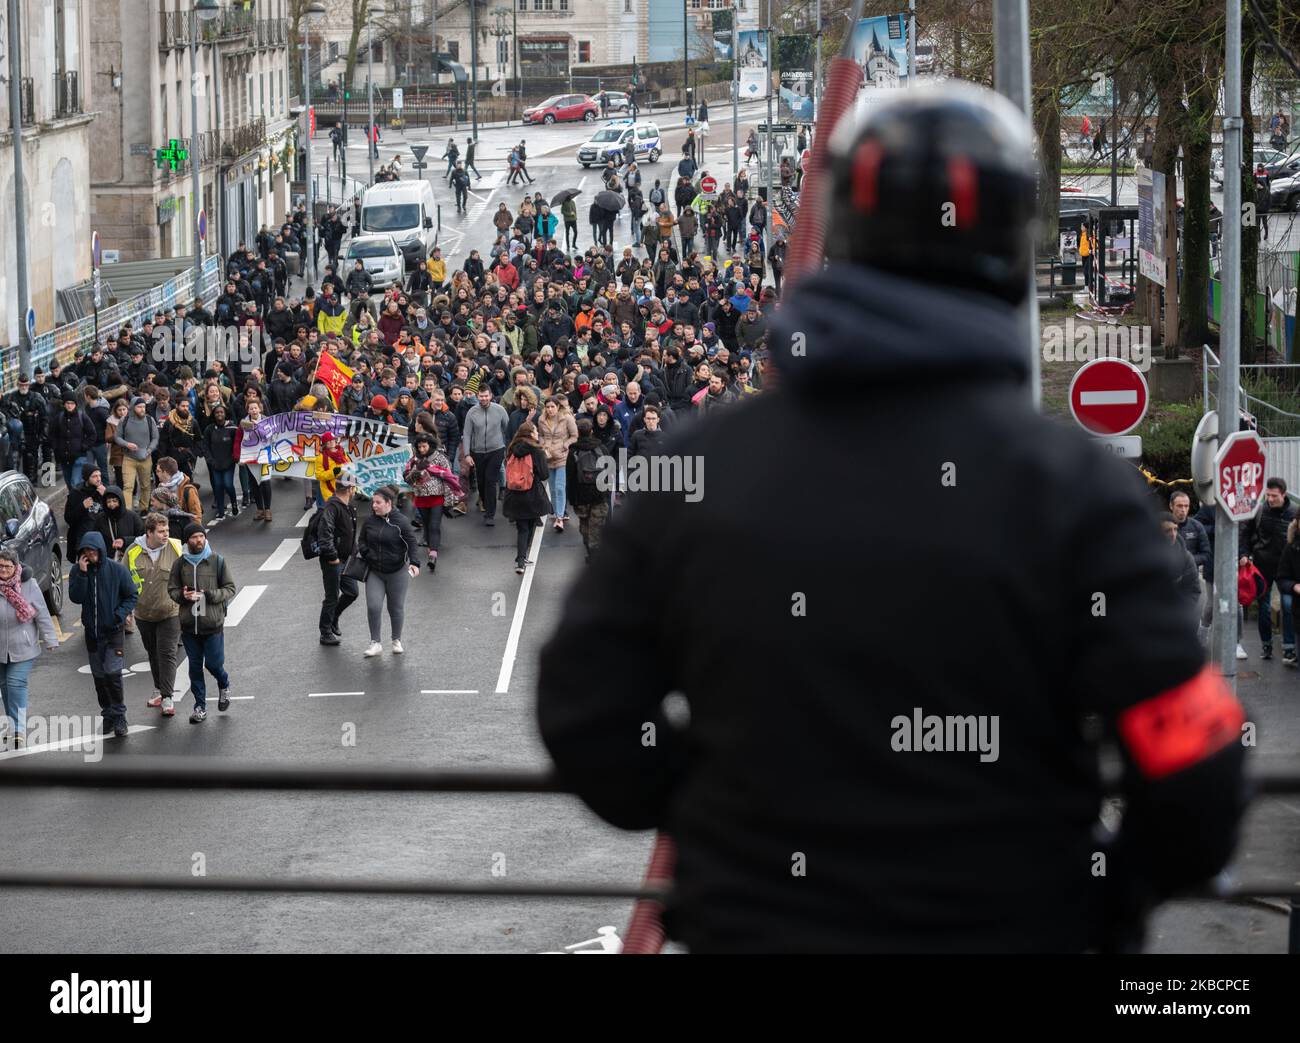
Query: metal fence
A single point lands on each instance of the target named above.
(1279, 778)
(67, 95)
(63, 342)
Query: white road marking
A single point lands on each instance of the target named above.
(521, 606)
(71, 744)
(244, 601)
(449, 691)
(281, 556)
(301, 523)
(234, 697)
(1108, 398)
(324, 695)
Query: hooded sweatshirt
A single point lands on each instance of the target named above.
(104, 591)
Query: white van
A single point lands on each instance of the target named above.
(405, 210)
(610, 141)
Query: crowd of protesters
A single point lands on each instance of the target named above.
(516, 375)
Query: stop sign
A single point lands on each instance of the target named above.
(1239, 475)
(1108, 396)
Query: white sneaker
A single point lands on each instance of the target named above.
(1241, 653)
(373, 649)
(397, 648)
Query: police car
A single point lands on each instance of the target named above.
(610, 141)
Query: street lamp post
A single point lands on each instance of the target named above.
(20, 204)
(205, 11)
(473, 75)
(371, 10)
(314, 10)
(686, 54)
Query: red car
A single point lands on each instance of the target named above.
(563, 107)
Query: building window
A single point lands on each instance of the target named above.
(627, 6)
(564, 5)
(453, 46)
(584, 52)
(523, 5)
(180, 107)
(503, 51)
(379, 51)
(162, 94)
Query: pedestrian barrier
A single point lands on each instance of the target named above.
(63, 342)
(1280, 776)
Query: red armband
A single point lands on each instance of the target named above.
(1182, 726)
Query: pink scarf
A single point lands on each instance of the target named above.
(12, 591)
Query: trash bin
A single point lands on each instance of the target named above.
(1069, 268)
(293, 261)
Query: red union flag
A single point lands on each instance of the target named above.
(334, 375)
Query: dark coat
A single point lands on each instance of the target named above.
(120, 524)
(1265, 536)
(72, 435)
(942, 374)
(531, 503)
(1198, 544)
(105, 592)
(337, 534)
(388, 544)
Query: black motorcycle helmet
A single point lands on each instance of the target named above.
(937, 183)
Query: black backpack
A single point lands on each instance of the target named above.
(311, 538)
(588, 463)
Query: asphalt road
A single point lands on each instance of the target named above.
(445, 703)
(458, 623)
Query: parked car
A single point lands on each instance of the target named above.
(32, 532)
(1284, 193)
(1076, 204)
(618, 101)
(1276, 164)
(563, 107)
(380, 255)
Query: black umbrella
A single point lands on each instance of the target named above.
(560, 198)
(608, 200)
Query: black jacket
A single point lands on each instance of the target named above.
(804, 745)
(72, 435)
(120, 524)
(1198, 544)
(533, 502)
(219, 446)
(388, 544)
(337, 534)
(1265, 536)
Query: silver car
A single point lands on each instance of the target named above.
(380, 255)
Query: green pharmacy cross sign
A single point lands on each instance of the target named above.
(173, 155)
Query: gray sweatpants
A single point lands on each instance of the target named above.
(390, 586)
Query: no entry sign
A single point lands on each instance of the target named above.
(1108, 396)
(1239, 475)
(708, 185)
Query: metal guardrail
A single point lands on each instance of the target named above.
(64, 342)
(1280, 777)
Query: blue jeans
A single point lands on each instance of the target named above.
(74, 472)
(13, 685)
(1266, 617)
(100, 453)
(209, 649)
(559, 476)
(223, 486)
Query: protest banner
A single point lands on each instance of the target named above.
(377, 471)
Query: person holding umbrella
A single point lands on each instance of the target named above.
(569, 211)
(608, 204)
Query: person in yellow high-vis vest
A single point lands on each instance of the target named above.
(1085, 252)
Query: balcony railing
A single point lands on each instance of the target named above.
(272, 32)
(27, 92)
(236, 141)
(235, 23)
(67, 95)
(174, 30)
